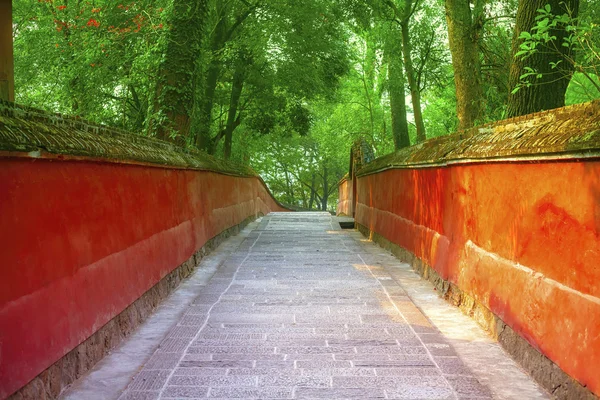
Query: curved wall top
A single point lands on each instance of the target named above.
(571, 132)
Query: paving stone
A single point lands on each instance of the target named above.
(362, 357)
(406, 371)
(394, 349)
(251, 318)
(388, 381)
(410, 392)
(323, 364)
(315, 350)
(248, 356)
(206, 299)
(338, 372)
(166, 361)
(274, 364)
(154, 395)
(251, 393)
(452, 366)
(441, 349)
(179, 332)
(294, 312)
(231, 336)
(395, 363)
(293, 380)
(231, 349)
(212, 380)
(313, 357)
(184, 392)
(200, 371)
(468, 387)
(192, 320)
(197, 357)
(198, 309)
(173, 345)
(261, 371)
(339, 393)
(149, 380)
(362, 342)
(217, 364)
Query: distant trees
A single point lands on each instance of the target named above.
(288, 86)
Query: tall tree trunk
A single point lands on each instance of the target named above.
(464, 28)
(222, 34)
(548, 92)
(313, 184)
(396, 84)
(290, 188)
(174, 93)
(415, 93)
(325, 197)
(7, 68)
(237, 87)
(203, 138)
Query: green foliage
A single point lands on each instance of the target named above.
(582, 39)
(314, 75)
(583, 88)
(90, 60)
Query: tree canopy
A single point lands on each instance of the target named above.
(287, 86)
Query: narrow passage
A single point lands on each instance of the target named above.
(298, 312)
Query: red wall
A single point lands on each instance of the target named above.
(344, 206)
(523, 239)
(80, 241)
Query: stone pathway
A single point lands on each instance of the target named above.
(300, 311)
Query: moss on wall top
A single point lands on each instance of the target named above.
(28, 130)
(571, 132)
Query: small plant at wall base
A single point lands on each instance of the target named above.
(582, 58)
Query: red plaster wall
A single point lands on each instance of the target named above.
(80, 241)
(344, 206)
(521, 238)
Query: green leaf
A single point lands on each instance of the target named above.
(525, 35)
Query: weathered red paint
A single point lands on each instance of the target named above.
(523, 239)
(80, 241)
(345, 202)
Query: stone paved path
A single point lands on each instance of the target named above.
(298, 312)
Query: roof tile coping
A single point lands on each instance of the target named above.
(571, 132)
(28, 130)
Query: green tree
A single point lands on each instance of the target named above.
(464, 32)
(173, 102)
(548, 61)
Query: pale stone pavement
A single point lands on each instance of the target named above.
(303, 310)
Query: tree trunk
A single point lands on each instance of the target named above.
(174, 93)
(313, 183)
(203, 138)
(237, 87)
(547, 92)
(325, 187)
(415, 94)
(464, 29)
(7, 67)
(396, 86)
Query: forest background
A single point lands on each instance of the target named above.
(287, 86)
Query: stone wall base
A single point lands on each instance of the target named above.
(50, 383)
(545, 372)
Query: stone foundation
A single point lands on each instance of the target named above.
(545, 372)
(76, 363)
